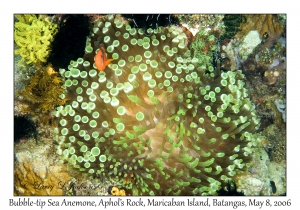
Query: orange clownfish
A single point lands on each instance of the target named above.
(100, 59)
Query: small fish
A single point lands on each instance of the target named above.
(100, 59)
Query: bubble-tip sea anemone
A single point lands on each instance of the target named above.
(155, 114)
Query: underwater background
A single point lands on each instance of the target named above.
(148, 104)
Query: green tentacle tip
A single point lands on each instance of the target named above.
(139, 116)
(83, 148)
(121, 110)
(120, 127)
(95, 151)
(102, 158)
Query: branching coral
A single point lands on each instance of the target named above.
(33, 36)
(155, 118)
(43, 92)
